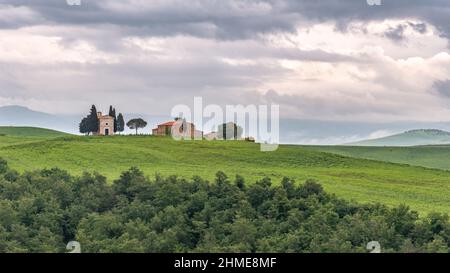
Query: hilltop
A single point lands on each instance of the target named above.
(409, 138)
(29, 132)
(24, 135)
(351, 178)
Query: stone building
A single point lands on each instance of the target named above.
(180, 128)
(211, 136)
(105, 125)
(164, 129)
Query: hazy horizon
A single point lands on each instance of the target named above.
(341, 71)
(292, 131)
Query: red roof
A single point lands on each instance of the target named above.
(169, 123)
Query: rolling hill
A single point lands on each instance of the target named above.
(363, 180)
(21, 135)
(432, 156)
(409, 138)
(29, 132)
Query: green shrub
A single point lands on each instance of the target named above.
(3, 166)
(41, 211)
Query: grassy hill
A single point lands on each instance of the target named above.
(22, 135)
(362, 180)
(409, 138)
(433, 156)
(29, 132)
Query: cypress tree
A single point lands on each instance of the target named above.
(112, 113)
(115, 120)
(93, 120)
(89, 124)
(120, 123)
(84, 129)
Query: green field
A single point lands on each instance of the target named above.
(362, 180)
(437, 156)
(22, 135)
(29, 132)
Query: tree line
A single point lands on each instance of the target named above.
(41, 211)
(90, 123)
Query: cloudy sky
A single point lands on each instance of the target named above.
(339, 60)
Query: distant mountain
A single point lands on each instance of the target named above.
(22, 116)
(409, 138)
(21, 113)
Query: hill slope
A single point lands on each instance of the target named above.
(409, 138)
(363, 180)
(22, 135)
(29, 132)
(437, 157)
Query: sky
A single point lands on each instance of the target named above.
(334, 60)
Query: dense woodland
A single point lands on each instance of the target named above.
(41, 211)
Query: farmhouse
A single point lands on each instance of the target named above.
(164, 129)
(105, 125)
(212, 136)
(178, 128)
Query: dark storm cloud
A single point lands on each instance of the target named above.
(436, 12)
(443, 88)
(397, 33)
(221, 19)
(231, 19)
(419, 27)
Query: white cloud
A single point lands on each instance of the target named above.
(17, 46)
